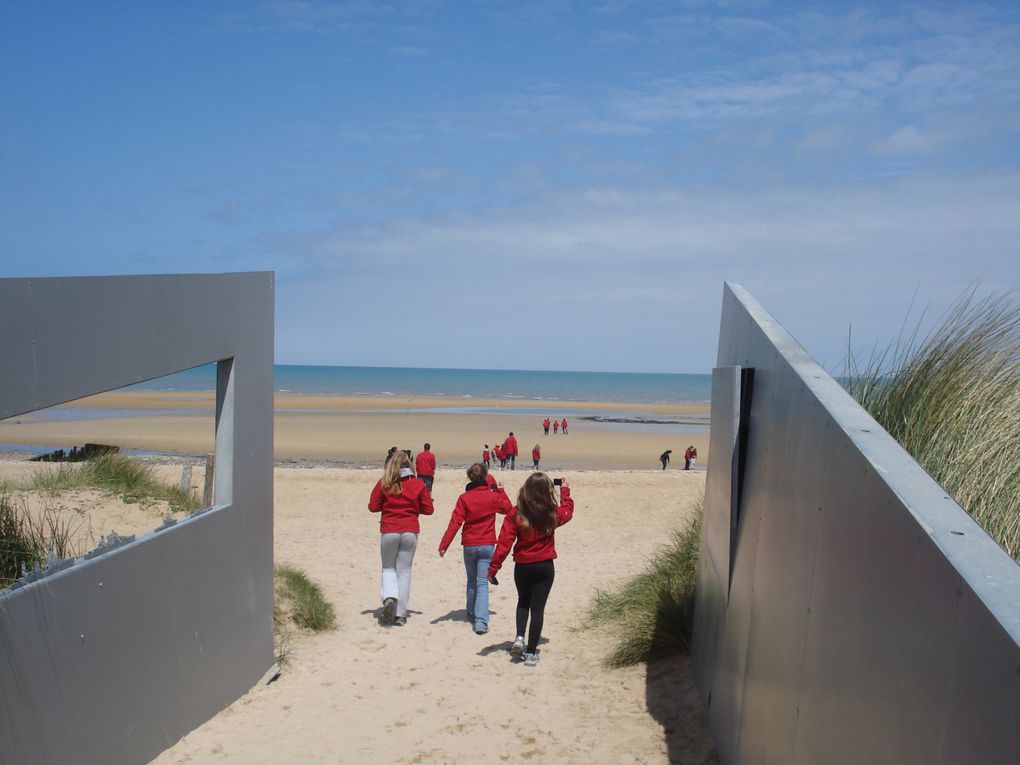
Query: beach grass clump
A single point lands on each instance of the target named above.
(952, 399)
(300, 600)
(652, 614)
(133, 481)
(28, 541)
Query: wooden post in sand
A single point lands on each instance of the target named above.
(186, 478)
(210, 470)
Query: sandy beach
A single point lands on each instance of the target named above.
(359, 430)
(433, 691)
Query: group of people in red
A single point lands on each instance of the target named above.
(529, 530)
(507, 453)
(556, 425)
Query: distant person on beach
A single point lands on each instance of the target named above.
(694, 456)
(486, 457)
(476, 510)
(536, 456)
(510, 450)
(664, 458)
(400, 498)
(531, 529)
(545, 425)
(556, 427)
(690, 455)
(564, 426)
(425, 466)
(500, 456)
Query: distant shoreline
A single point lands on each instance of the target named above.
(356, 431)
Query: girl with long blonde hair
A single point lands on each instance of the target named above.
(400, 497)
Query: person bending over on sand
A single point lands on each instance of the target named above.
(664, 458)
(400, 497)
(536, 456)
(476, 510)
(425, 466)
(531, 529)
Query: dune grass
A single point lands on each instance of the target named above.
(26, 542)
(115, 473)
(300, 600)
(952, 400)
(652, 614)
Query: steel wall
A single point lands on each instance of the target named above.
(116, 657)
(869, 619)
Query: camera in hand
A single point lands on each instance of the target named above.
(557, 481)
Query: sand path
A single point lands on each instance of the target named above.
(433, 691)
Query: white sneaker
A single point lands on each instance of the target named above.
(531, 659)
(517, 649)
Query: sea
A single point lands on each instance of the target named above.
(510, 385)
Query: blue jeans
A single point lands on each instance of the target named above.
(476, 562)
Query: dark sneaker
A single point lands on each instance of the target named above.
(400, 621)
(389, 611)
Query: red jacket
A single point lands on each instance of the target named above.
(400, 511)
(498, 452)
(536, 454)
(531, 546)
(485, 455)
(476, 509)
(510, 446)
(563, 424)
(425, 463)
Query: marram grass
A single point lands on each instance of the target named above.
(652, 614)
(115, 473)
(952, 400)
(301, 601)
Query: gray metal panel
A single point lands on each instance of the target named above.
(114, 659)
(870, 619)
(717, 522)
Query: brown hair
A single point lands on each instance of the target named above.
(391, 475)
(477, 472)
(536, 504)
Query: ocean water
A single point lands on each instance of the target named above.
(515, 386)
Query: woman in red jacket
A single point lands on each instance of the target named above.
(532, 525)
(536, 456)
(476, 510)
(400, 497)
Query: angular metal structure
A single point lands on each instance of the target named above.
(849, 611)
(115, 657)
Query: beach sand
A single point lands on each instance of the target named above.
(359, 430)
(433, 691)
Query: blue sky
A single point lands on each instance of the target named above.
(522, 185)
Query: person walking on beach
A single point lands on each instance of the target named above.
(664, 458)
(530, 528)
(476, 510)
(510, 450)
(400, 498)
(500, 456)
(564, 426)
(536, 456)
(556, 427)
(425, 466)
(486, 460)
(545, 425)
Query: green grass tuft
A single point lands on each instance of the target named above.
(653, 613)
(952, 400)
(27, 542)
(115, 473)
(303, 600)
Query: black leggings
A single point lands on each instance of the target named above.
(534, 581)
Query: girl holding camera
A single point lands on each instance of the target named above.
(531, 529)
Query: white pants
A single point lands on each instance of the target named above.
(397, 551)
